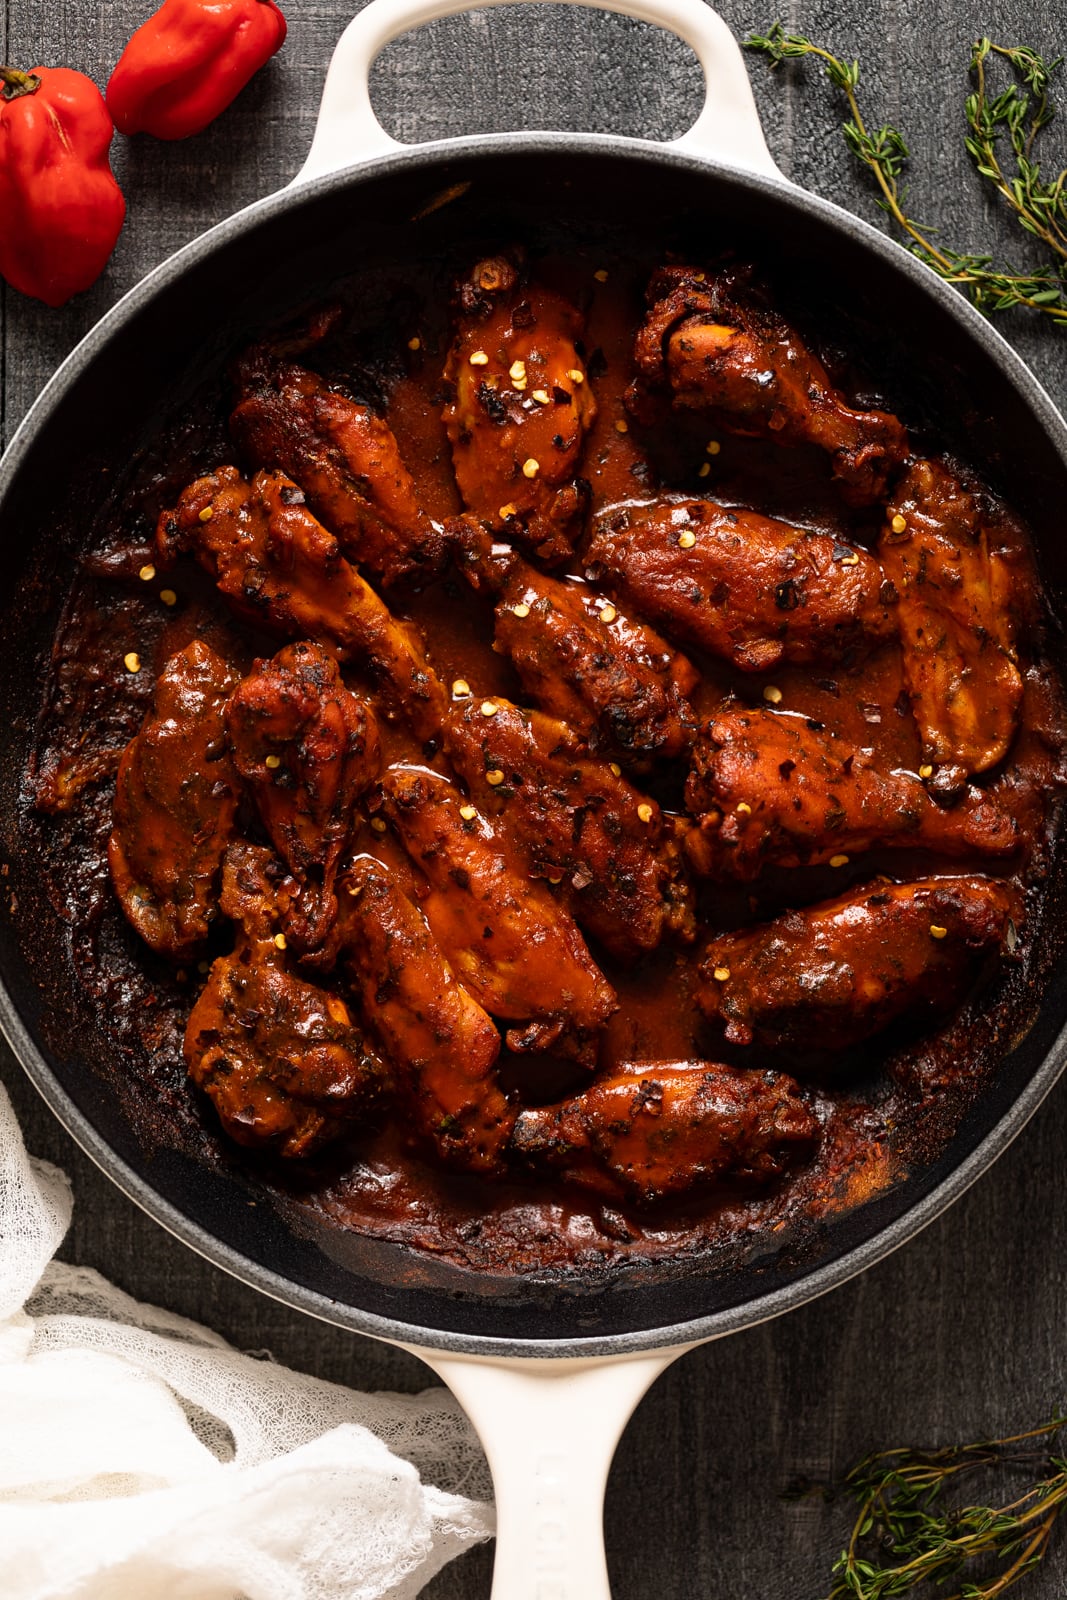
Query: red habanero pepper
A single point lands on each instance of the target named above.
(62, 210)
(188, 61)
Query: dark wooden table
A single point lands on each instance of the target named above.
(960, 1335)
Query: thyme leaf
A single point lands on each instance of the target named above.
(1002, 132)
(907, 1534)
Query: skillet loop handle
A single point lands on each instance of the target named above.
(549, 1429)
(728, 129)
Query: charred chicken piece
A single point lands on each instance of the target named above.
(307, 749)
(516, 950)
(576, 821)
(651, 1129)
(441, 1043)
(280, 1059)
(711, 343)
(740, 585)
(520, 407)
(837, 973)
(344, 458)
(614, 680)
(278, 566)
(956, 621)
(175, 802)
(770, 787)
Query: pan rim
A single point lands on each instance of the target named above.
(805, 1287)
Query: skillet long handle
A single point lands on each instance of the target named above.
(549, 1429)
(728, 128)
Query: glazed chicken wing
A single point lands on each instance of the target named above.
(714, 345)
(651, 1129)
(770, 787)
(278, 566)
(280, 1059)
(835, 974)
(516, 950)
(613, 679)
(175, 802)
(740, 585)
(576, 821)
(307, 749)
(344, 458)
(441, 1043)
(519, 409)
(956, 621)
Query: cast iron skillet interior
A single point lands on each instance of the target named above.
(932, 356)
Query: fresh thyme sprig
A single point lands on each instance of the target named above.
(1017, 114)
(905, 1536)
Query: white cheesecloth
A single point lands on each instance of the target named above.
(143, 1458)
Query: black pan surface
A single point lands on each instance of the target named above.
(936, 358)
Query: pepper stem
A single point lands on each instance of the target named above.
(17, 83)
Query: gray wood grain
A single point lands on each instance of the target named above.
(962, 1333)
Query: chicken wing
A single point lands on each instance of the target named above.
(835, 974)
(651, 1129)
(307, 749)
(278, 566)
(742, 586)
(516, 950)
(614, 680)
(280, 1059)
(770, 787)
(956, 621)
(519, 408)
(175, 802)
(576, 821)
(344, 458)
(713, 344)
(441, 1043)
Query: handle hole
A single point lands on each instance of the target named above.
(536, 67)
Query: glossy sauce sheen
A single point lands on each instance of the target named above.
(884, 1107)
